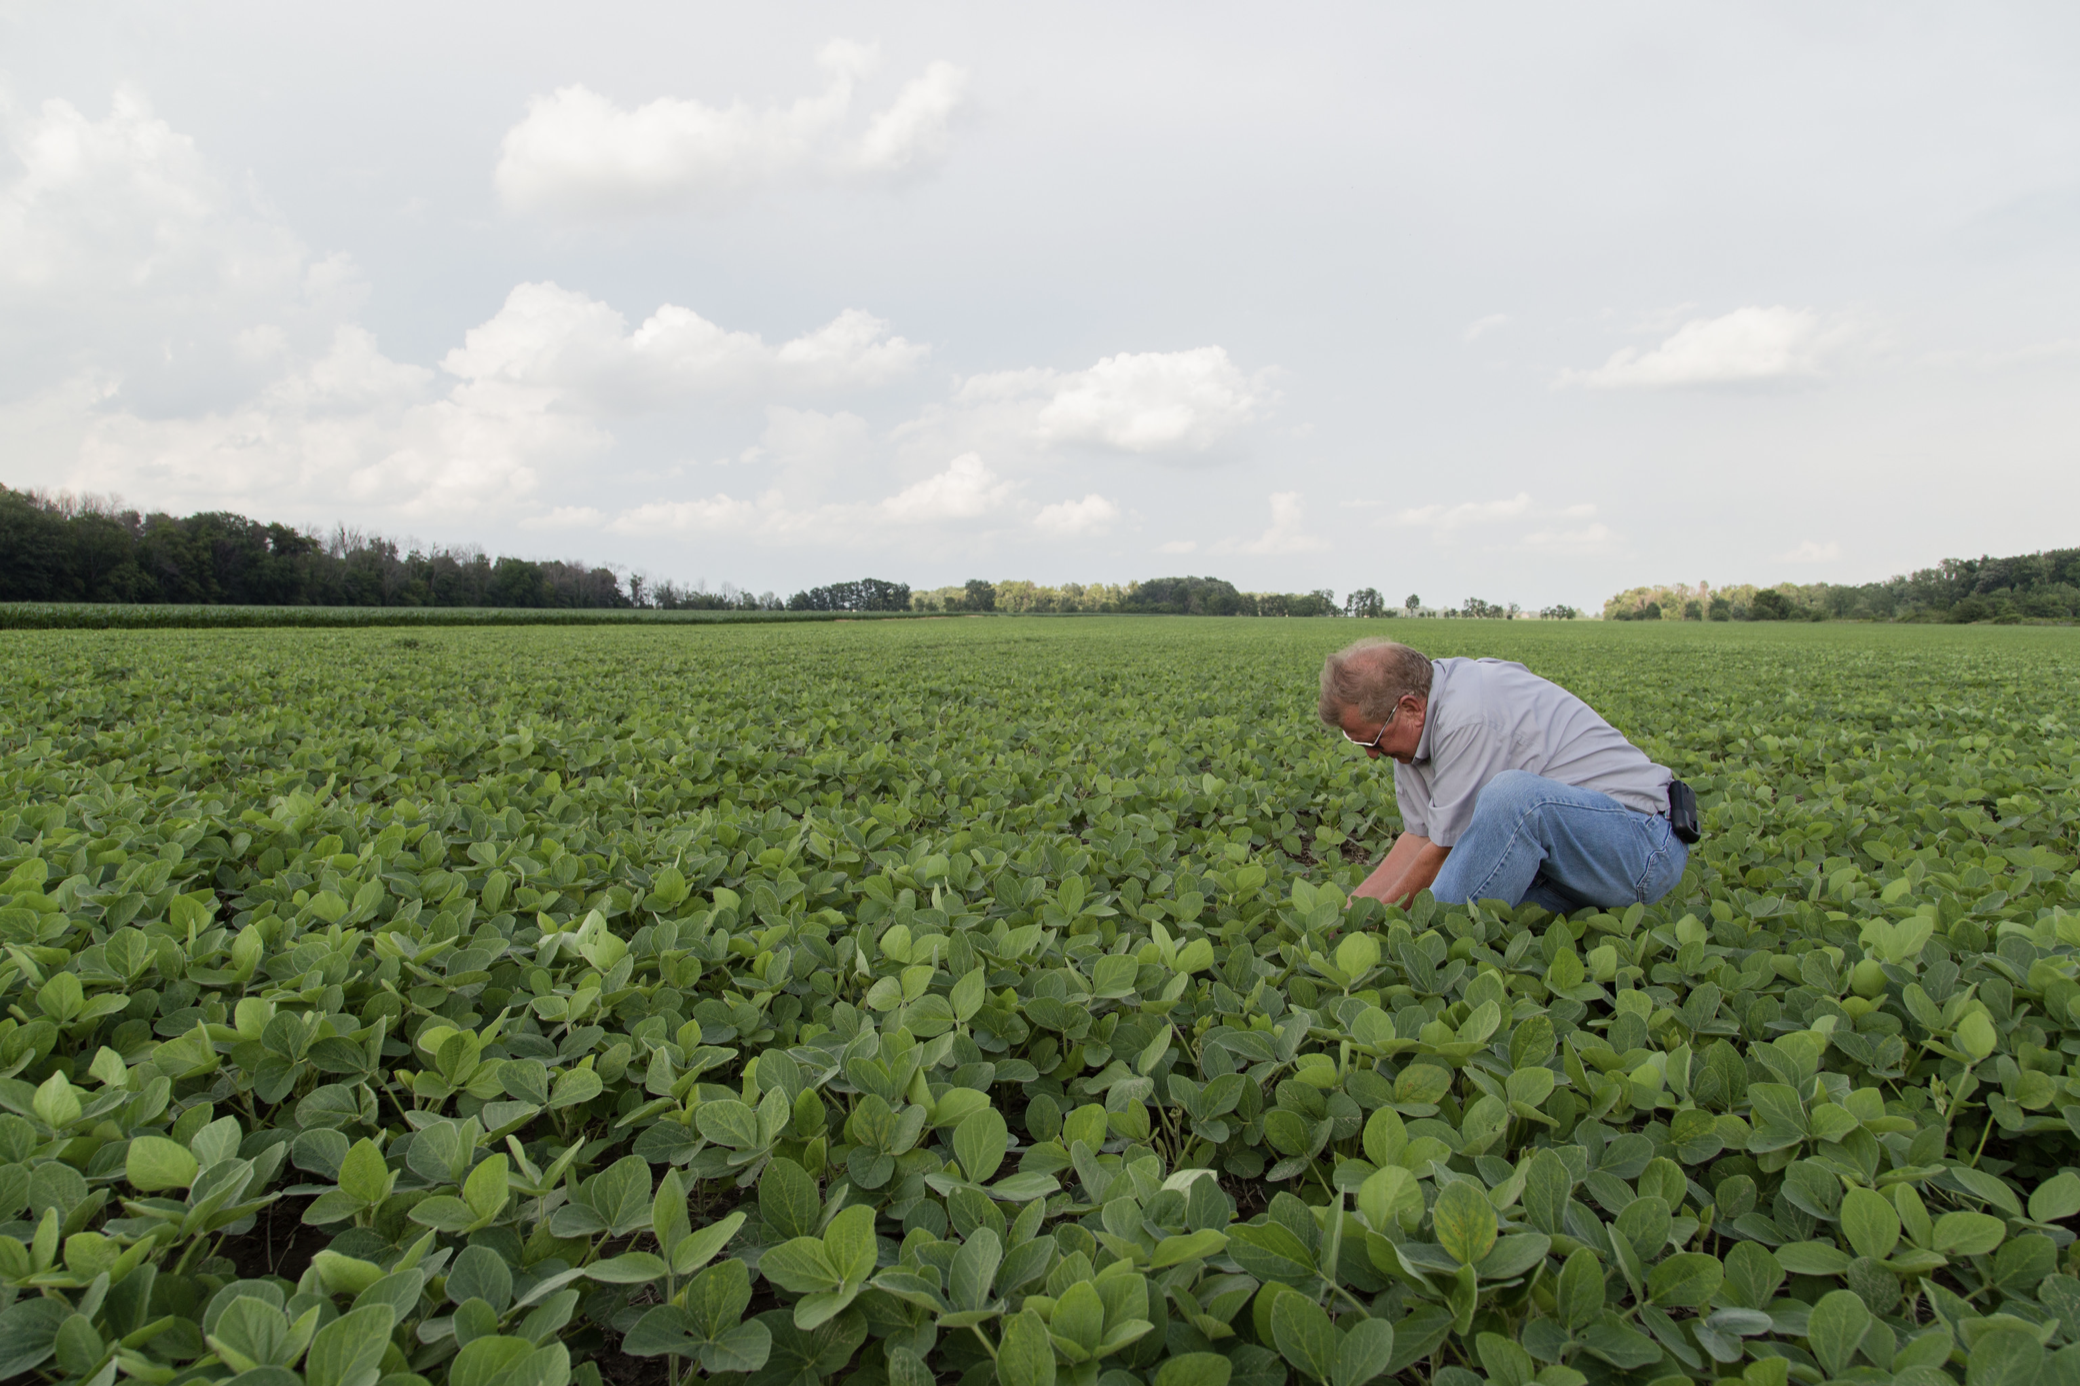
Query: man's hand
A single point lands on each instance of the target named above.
(1411, 865)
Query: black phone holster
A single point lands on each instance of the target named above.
(1682, 812)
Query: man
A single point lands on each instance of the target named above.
(1510, 787)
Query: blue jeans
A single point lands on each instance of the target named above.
(1560, 848)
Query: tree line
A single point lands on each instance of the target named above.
(61, 548)
(1167, 596)
(1201, 596)
(2042, 586)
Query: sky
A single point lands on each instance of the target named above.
(1521, 302)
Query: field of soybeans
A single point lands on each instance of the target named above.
(981, 1001)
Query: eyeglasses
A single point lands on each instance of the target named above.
(1373, 745)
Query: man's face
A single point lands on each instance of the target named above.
(1398, 736)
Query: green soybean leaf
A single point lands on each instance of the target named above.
(787, 1200)
(1836, 1328)
(1184, 1369)
(1870, 1223)
(153, 1163)
(2004, 1357)
(2056, 1199)
(1965, 1234)
(1685, 1280)
(346, 1351)
(1305, 1337)
(1465, 1222)
(1579, 1292)
(979, 1143)
(1026, 1356)
(1363, 1352)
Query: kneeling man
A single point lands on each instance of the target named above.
(1510, 787)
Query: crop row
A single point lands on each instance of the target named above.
(979, 1001)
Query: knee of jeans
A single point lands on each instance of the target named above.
(1510, 787)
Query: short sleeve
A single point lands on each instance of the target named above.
(1412, 800)
(1461, 764)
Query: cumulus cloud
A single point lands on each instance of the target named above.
(1580, 539)
(565, 517)
(122, 250)
(1066, 519)
(578, 153)
(1152, 401)
(1287, 532)
(531, 395)
(1812, 551)
(1499, 519)
(711, 513)
(965, 491)
(124, 253)
(352, 426)
(1480, 327)
(1178, 546)
(1465, 513)
(166, 336)
(916, 131)
(1747, 346)
(549, 336)
(1173, 406)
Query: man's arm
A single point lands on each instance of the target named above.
(1411, 865)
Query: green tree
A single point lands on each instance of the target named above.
(1770, 605)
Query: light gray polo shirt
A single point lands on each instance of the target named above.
(1486, 716)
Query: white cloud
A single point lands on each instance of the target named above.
(1480, 327)
(351, 423)
(1812, 551)
(811, 449)
(1580, 540)
(718, 512)
(1495, 517)
(122, 252)
(1153, 401)
(279, 403)
(1166, 405)
(535, 385)
(1064, 519)
(1286, 534)
(1451, 517)
(1747, 346)
(565, 517)
(917, 129)
(167, 337)
(577, 153)
(1178, 546)
(553, 337)
(966, 490)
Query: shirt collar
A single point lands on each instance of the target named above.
(1437, 682)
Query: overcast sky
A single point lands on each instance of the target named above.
(1523, 302)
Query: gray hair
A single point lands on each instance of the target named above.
(1372, 676)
